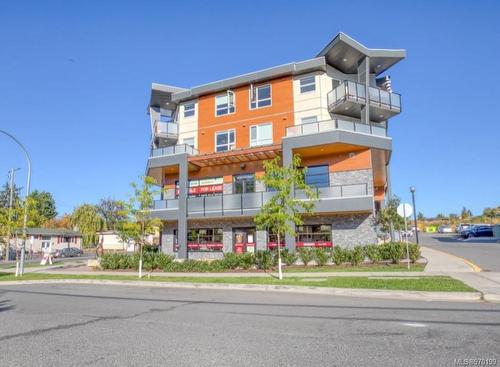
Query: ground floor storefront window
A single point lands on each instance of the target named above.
(244, 240)
(272, 241)
(202, 240)
(315, 235)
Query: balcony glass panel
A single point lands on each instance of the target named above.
(195, 204)
(213, 203)
(252, 200)
(294, 130)
(378, 130)
(374, 95)
(363, 128)
(385, 98)
(309, 128)
(396, 100)
(345, 125)
(326, 125)
(354, 190)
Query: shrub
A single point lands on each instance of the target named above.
(306, 255)
(289, 258)
(246, 260)
(339, 255)
(373, 253)
(392, 251)
(414, 252)
(264, 259)
(356, 255)
(321, 256)
(231, 260)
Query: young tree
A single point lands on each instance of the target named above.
(283, 211)
(389, 215)
(139, 224)
(88, 222)
(112, 211)
(420, 217)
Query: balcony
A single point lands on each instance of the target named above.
(329, 125)
(165, 132)
(337, 198)
(173, 149)
(348, 98)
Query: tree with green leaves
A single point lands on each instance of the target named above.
(139, 224)
(465, 213)
(112, 212)
(283, 212)
(389, 216)
(5, 195)
(420, 217)
(491, 213)
(44, 204)
(88, 222)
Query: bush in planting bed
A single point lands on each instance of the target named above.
(289, 258)
(339, 255)
(372, 252)
(306, 255)
(356, 255)
(321, 256)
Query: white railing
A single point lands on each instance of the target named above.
(352, 91)
(328, 125)
(174, 149)
(166, 128)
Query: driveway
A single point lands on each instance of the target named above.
(97, 325)
(484, 252)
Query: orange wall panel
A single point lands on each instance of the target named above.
(280, 114)
(342, 162)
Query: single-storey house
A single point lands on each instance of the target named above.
(39, 239)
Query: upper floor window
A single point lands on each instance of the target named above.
(189, 109)
(189, 141)
(260, 96)
(317, 176)
(224, 103)
(309, 119)
(308, 84)
(225, 140)
(261, 135)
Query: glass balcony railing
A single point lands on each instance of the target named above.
(174, 149)
(356, 92)
(166, 128)
(328, 125)
(233, 204)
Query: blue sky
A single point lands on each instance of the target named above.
(75, 81)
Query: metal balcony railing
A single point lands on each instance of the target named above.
(174, 149)
(356, 92)
(166, 128)
(328, 125)
(231, 204)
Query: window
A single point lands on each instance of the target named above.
(225, 140)
(224, 104)
(317, 176)
(309, 119)
(314, 233)
(308, 84)
(260, 96)
(189, 109)
(189, 141)
(244, 183)
(261, 135)
(165, 115)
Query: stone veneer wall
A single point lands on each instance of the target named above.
(352, 178)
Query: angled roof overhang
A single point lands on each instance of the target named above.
(345, 54)
(161, 95)
(255, 77)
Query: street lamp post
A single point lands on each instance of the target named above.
(25, 219)
(412, 190)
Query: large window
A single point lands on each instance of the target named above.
(261, 135)
(225, 140)
(189, 109)
(224, 103)
(205, 239)
(308, 84)
(317, 176)
(260, 96)
(244, 183)
(312, 234)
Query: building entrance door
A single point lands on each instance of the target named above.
(243, 240)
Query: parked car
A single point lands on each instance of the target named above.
(478, 231)
(68, 252)
(462, 227)
(445, 229)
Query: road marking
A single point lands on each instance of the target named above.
(414, 324)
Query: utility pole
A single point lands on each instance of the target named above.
(12, 174)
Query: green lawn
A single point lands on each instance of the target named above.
(28, 265)
(348, 268)
(437, 283)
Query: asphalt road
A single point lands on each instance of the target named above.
(80, 325)
(484, 252)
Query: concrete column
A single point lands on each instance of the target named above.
(364, 78)
(182, 218)
(227, 239)
(167, 239)
(261, 243)
(287, 160)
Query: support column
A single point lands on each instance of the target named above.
(364, 78)
(182, 215)
(287, 160)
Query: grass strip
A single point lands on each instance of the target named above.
(430, 284)
(347, 268)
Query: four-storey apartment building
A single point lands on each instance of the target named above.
(209, 144)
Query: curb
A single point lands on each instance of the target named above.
(345, 292)
(491, 297)
(475, 268)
